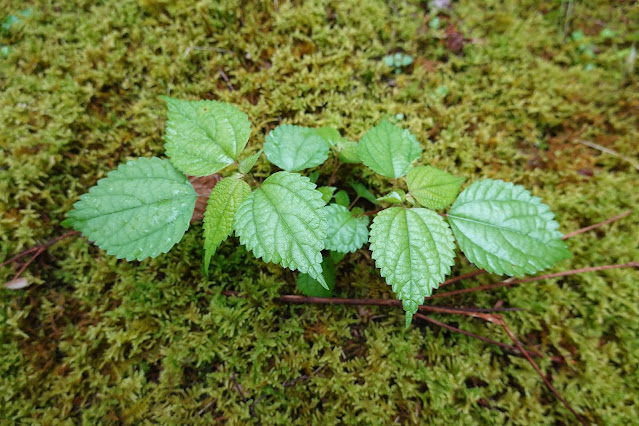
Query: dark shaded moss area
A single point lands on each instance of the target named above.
(500, 90)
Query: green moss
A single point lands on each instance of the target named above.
(100, 340)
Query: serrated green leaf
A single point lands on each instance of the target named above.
(342, 198)
(394, 197)
(247, 164)
(389, 150)
(503, 229)
(363, 192)
(414, 248)
(432, 187)
(226, 197)
(139, 210)
(345, 233)
(284, 222)
(203, 137)
(330, 135)
(294, 148)
(348, 152)
(327, 192)
(309, 286)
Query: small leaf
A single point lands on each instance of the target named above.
(432, 187)
(330, 135)
(363, 192)
(345, 233)
(203, 137)
(284, 222)
(309, 286)
(294, 148)
(203, 186)
(247, 164)
(414, 248)
(397, 196)
(348, 152)
(389, 150)
(225, 198)
(342, 198)
(140, 210)
(389, 61)
(503, 229)
(314, 176)
(327, 192)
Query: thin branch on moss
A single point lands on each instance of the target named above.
(467, 275)
(296, 299)
(612, 152)
(597, 225)
(474, 336)
(28, 262)
(499, 320)
(510, 281)
(226, 79)
(237, 386)
(37, 248)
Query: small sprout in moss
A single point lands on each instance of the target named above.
(398, 61)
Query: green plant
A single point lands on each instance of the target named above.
(144, 207)
(398, 61)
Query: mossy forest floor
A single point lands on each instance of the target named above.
(506, 90)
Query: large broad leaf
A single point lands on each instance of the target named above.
(414, 249)
(203, 137)
(140, 210)
(503, 229)
(345, 233)
(294, 148)
(388, 150)
(225, 198)
(432, 187)
(309, 286)
(284, 222)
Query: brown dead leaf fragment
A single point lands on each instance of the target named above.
(203, 186)
(454, 39)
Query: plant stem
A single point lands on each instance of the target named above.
(538, 370)
(597, 225)
(473, 335)
(463, 277)
(353, 203)
(336, 165)
(37, 248)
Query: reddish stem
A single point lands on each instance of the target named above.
(538, 370)
(473, 335)
(38, 247)
(597, 225)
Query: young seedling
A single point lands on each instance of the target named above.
(143, 208)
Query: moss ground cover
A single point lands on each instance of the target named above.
(505, 90)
